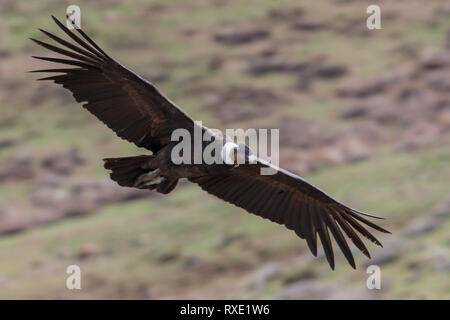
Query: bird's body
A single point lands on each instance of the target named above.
(159, 172)
(137, 112)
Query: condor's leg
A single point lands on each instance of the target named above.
(148, 179)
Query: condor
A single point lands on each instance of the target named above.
(136, 111)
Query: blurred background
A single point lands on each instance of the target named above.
(362, 114)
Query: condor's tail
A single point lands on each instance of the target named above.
(126, 170)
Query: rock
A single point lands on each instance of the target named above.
(241, 103)
(6, 143)
(46, 91)
(326, 156)
(263, 66)
(304, 134)
(331, 71)
(439, 80)
(442, 210)
(353, 27)
(442, 11)
(285, 13)
(408, 93)
(16, 217)
(306, 290)
(63, 162)
(408, 50)
(447, 39)
(105, 191)
(322, 147)
(380, 109)
(146, 292)
(241, 35)
(261, 276)
(168, 257)
(216, 62)
(435, 258)
(192, 262)
(354, 149)
(268, 52)
(5, 53)
(436, 59)
(51, 201)
(189, 32)
(306, 25)
(357, 90)
(414, 99)
(356, 111)
(50, 198)
(369, 132)
(443, 120)
(87, 251)
(419, 135)
(422, 225)
(440, 262)
(18, 167)
(50, 181)
(202, 266)
(305, 82)
(158, 77)
(295, 161)
(442, 105)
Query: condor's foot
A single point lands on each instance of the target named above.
(149, 179)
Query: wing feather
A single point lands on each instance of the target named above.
(128, 104)
(290, 200)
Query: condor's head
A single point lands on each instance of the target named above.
(237, 154)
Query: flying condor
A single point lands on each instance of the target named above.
(136, 111)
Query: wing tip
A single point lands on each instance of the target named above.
(367, 253)
(350, 259)
(55, 19)
(367, 214)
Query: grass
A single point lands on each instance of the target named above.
(135, 236)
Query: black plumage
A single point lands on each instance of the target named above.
(137, 112)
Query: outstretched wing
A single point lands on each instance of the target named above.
(288, 199)
(128, 104)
